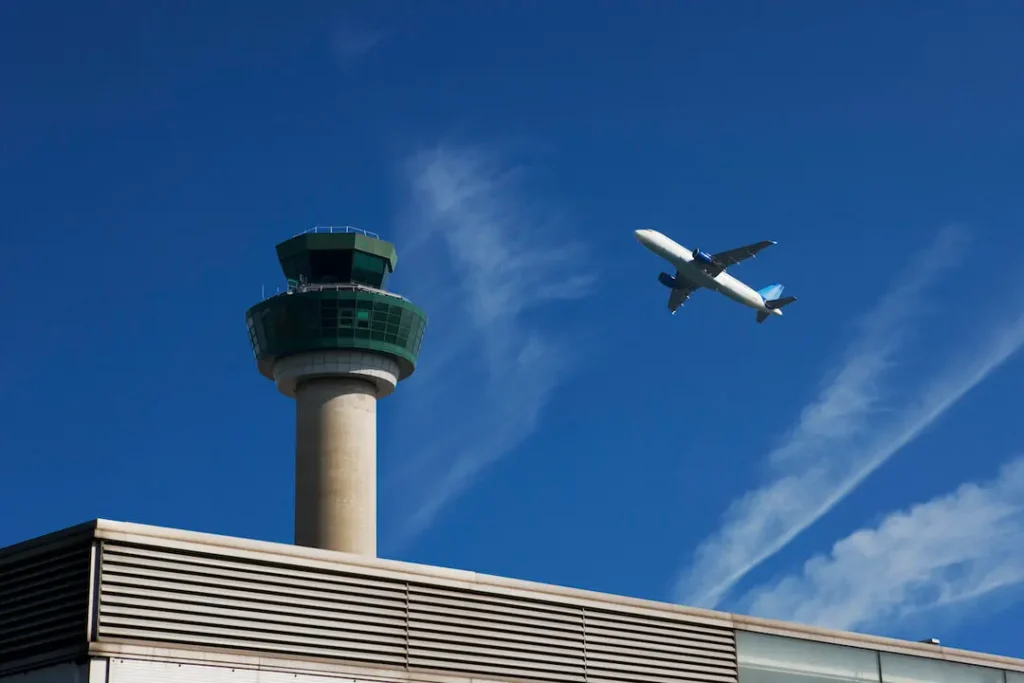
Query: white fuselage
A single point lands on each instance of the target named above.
(682, 258)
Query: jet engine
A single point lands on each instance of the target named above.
(703, 257)
(667, 280)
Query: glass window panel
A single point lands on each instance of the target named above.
(774, 659)
(368, 268)
(330, 266)
(906, 669)
(1013, 677)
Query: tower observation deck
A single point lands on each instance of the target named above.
(336, 341)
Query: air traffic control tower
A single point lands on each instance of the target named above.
(336, 341)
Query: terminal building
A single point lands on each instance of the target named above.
(115, 602)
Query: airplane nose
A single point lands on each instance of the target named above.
(645, 236)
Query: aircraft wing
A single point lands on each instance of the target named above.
(678, 296)
(724, 259)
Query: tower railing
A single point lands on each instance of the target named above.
(295, 286)
(332, 229)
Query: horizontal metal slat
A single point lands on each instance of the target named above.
(601, 660)
(676, 671)
(643, 678)
(44, 600)
(39, 573)
(629, 648)
(62, 578)
(604, 660)
(120, 563)
(248, 619)
(47, 633)
(493, 666)
(255, 591)
(657, 628)
(447, 595)
(462, 648)
(228, 630)
(210, 591)
(440, 598)
(117, 616)
(201, 639)
(289, 573)
(209, 604)
(28, 605)
(456, 631)
(681, 648)
(682, 639)
(681, 645)
(513, 619)
(679, 670)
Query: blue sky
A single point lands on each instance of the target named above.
(852, 464)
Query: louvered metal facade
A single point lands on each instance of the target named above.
(44, 598)
(155, 594)
(109, 588)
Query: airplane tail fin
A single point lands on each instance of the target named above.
(771, 291)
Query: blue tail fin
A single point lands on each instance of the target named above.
(771, 292)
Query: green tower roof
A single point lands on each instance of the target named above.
(336, 299)
(337, 255)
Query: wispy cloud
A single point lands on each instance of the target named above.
(950, 551)
(844, 436)
(350, 41)
(853, 392)
(485, 258)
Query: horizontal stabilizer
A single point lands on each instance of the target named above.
(779, 303)
(762, 316)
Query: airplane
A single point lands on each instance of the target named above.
(696, 269)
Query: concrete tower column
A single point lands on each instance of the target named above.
(336, 464)
(336, 395)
